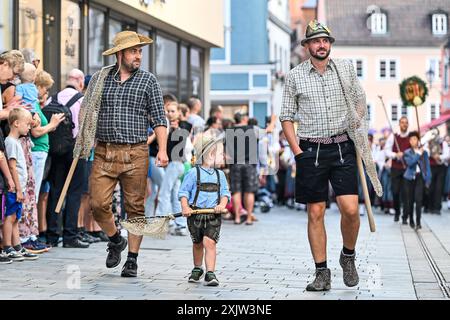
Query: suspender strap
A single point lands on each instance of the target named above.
(218, 189)
(197, 192)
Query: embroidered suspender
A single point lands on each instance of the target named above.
(207, 186)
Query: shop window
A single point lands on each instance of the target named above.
(166, 64)
(70, 38)
(196, 73)
(184, 76)
(145, 64)
(96, 40)
(114, 28)
(6, 25)
(31, 31)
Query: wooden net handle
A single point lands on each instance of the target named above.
(66, 185)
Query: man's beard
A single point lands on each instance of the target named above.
(319, 57)
(129, 66)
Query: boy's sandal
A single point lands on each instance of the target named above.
(248, 223)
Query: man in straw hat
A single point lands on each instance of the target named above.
(326, 152)
(122, 101)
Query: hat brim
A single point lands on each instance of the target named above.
(145, 41)
(319, 35)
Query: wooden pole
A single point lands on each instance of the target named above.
(365, 192)
(66, 185)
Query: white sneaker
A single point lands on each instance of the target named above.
(14, 255)
(362, 210)
(392, 211)
(448, 204)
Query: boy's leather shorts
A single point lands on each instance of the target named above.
(204, 225)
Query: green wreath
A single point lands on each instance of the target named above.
(413, 91)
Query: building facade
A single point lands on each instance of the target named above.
(68, 34)
(386, 46)
(302, 12)
(248, 72)
(445, 61)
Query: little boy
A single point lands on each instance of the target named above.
(19, 122)
(27, 89)
(204, 187)
(417, 177)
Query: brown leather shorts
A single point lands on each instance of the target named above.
(113, 163)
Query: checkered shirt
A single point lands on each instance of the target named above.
(128, 109)
(316, 99)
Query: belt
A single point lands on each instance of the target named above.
(104, 144)
(330, 140)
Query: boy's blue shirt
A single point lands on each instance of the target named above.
(29, 93)
(206, 200)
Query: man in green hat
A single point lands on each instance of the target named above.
(325, 153)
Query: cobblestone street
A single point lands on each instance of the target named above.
(269, 260)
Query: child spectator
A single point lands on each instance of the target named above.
(19, 122)
(417, 177)
(205, 187)
(6, 185)
(27, 89)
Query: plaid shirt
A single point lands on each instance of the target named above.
(317, 99)
(128, 109)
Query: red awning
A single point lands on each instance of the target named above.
(436, 122)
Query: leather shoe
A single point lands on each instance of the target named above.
(76, 243)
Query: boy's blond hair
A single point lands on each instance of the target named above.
(14, 58)
(204, 145)
(17, 114)
(29, 73)
(44, 79)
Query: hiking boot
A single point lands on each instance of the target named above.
(129, 269)
(347, 263)
(412, 224)
(396, 218)
(211, 280)
(418, 226)
(196, 275)
(114, 252)
(322, 282)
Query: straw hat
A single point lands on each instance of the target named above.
(204, 143)
(127, 39)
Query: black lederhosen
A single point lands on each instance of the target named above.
(205, 225)
(317, 167)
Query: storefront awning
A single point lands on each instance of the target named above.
(436, 122)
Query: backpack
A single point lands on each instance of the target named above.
(61, 140)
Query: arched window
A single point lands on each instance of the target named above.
(439, 24)
(378, 23)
